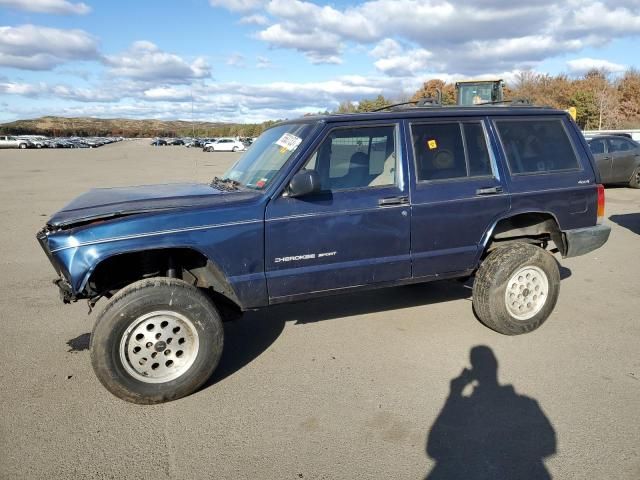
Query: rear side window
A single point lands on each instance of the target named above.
(620, 145)
(537, 146)
(450, 150)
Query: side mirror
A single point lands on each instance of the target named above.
(304, 183)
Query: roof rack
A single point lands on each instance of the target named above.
(430, 102)
(421, 102)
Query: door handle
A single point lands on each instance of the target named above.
(489, 190)
(383, 202)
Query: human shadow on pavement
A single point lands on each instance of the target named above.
(493, 433)
(630, 221)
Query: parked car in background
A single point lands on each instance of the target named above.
(158, 142)
(618, 159)
(8, 141)
(194, 143)
(225, 145)
(208, 142)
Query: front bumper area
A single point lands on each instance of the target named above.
(65, 289)
(584, 240)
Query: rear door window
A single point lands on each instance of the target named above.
(450, 150)
(620, 145)
(536, 146)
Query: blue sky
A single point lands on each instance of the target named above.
(252, 60)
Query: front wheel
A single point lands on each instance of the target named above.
(234, 149)
(635, 179)
(156, 340)
(516, 288)
(23, 146)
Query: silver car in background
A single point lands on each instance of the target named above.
(8, 141)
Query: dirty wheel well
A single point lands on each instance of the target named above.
(535, 228)
(186, 264)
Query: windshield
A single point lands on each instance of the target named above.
(266, 156)
(475, 94)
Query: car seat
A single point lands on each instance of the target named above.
(358, 174)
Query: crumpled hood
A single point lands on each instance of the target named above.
(101, 203)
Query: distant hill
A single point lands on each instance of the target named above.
(88, 126)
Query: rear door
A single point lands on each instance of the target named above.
(624, 158)
(354, 232)
(599, 149)
(457, 193)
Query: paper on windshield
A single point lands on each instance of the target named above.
(289, 142)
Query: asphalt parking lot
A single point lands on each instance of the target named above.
(345, 387)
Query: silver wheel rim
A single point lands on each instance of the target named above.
(526, 293)
(159, 346)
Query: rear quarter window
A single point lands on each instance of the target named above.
(537, 145)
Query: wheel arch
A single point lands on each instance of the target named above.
(525, 225)
(190, 264)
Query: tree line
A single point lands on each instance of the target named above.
(602, 101)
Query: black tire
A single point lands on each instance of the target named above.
(22, 146)
(124, 311)
(634, 182)
(491, 283)
(234, 149)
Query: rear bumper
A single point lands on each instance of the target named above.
(584, 240)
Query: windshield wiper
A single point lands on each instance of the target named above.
(225, 184)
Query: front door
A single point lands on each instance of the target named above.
(598, 148)
(356, 231)
(456, 195)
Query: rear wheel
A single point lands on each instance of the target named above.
(22, 145)
(156, 340)
(516, 288)
(234, 149)
(635, 179)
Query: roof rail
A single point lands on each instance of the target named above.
(515, 102)
(422, 102)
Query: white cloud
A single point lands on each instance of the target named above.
(386, 48)
(61, 7)
(395, 61)
(146, 62)
(263, 62)
(318, 46)
(583, 65)
(255, 19)
(408, 63)
(65, 92)
(168, 93)
(32, 47)
(238, 5)
(236, 60)
(457, 34)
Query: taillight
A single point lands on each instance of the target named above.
(600, 203)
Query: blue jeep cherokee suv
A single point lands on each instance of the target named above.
(322, 205)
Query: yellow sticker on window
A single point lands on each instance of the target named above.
(283, 150)
(432, 144)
